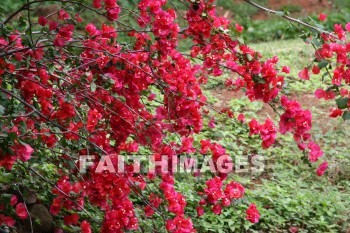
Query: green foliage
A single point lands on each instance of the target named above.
(275, 28)
(291, 8)
(8, 6)
(239, 10)
(288, 192)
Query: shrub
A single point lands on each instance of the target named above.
(74, 93)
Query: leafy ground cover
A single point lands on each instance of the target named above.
(291, 196)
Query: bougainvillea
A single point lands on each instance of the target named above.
(72, 87)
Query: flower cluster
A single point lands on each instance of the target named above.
(217, 196)
(267, 131)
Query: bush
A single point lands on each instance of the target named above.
(107, 93)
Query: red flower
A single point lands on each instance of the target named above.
(315, 152)
(293, 229)
(63, 15)
(322, 17)
(180, 224)
(234, 190)
(241, 118)
(268, 133)
(239, 28)
(211, 123)
(21, 211)
(217, 209)
(93, 117)
(42, 21)
(91, 29)
(24, 151)
(304, 74)
(55, 206)
(200, 211)
(344, 92)
(315, 69)
(327, 95)
(53, 25)
(336, 113)
(213, 190)
(113, 13)
(8, 221)
(322, 168)
(97, 4)
(85, 227)
(347, 27)
(226, 201)
(253, 214)
(14, 200)
(170, 225)
(71, 219)
(78, 18)
(286, 69)
(254, 127)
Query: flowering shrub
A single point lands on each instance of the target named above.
(67, 92)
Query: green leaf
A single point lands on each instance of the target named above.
(342, 103)
(2, 110)
(240, 40)
(322, 64)
(249, 57)
(346, 115)
(93, 87)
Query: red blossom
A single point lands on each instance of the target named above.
(315, 152)
(336, 112)
(200, 211)
(216, 209)
(322, 168)
(7, 220)
(21, 211)
(93, 117)
(42, 20)
(14, 200)
(252, 214)
(286, 69)
(304, 74)
(315, 69)
(347, 26)
(23, 151)
(239, 28)
(234, 190)
(322, 94)
(85, 227)
(322, 17)
(71, 219)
